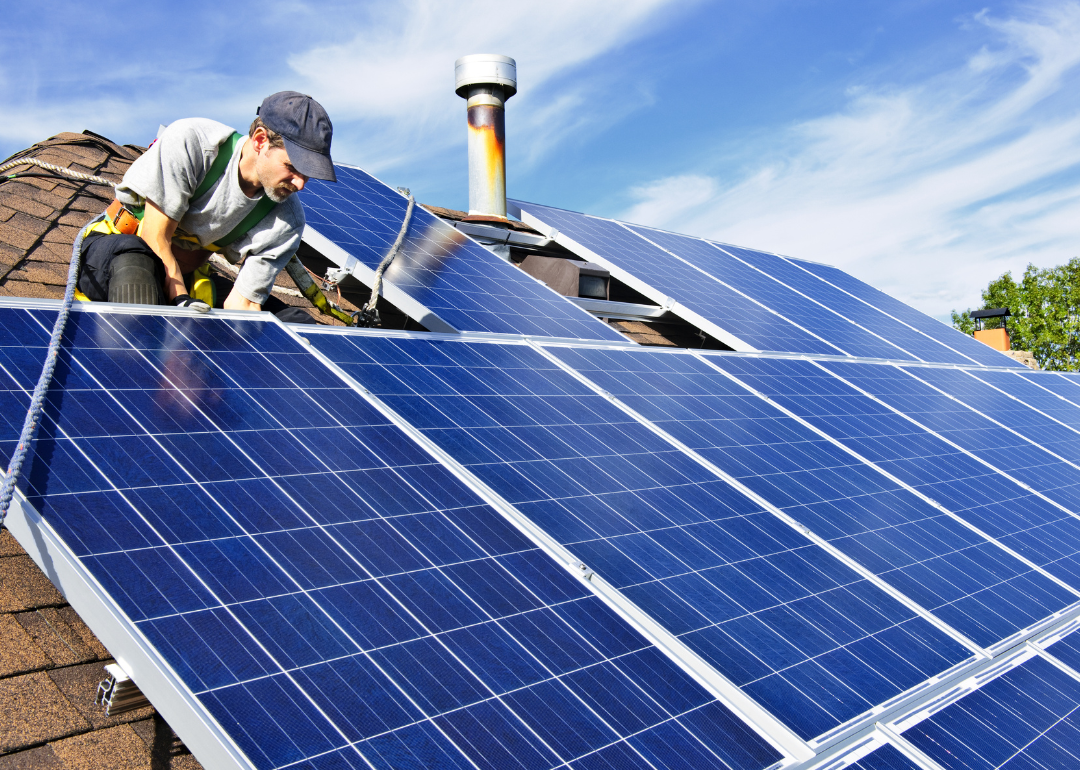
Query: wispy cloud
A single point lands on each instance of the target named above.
(392, 80)
(384, 70)
(926, 189)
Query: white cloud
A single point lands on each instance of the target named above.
(926, 190)
(392, 80)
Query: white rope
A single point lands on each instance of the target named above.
(368, 315)
(37, 401)
(57, 169)
(223, 264)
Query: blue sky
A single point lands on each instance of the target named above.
(925, 146)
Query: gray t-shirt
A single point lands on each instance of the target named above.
(170, 171)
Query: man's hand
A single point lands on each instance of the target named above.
(187, 301)
(237, 301)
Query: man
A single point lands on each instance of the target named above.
(287, 144)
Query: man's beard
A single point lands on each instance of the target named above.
(279, 193)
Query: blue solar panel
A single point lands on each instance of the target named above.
(1038, 414)
(822, 321)
(965, 580)
(1064, 384)
(323, 588)
(998, 506)
(460, 281)
(886, 757)
(1025, 719)
(967, 428)
(794, 627)
(946, 335)
(749, 321)
(903, 336)
(1066, 649)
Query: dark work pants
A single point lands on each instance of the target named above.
(99, 251)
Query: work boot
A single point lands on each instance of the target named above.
(132, 280)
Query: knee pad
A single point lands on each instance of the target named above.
(133, 281)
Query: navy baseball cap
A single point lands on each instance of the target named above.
(306, 129)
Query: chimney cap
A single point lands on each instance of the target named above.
(993, 312)
(485, 69)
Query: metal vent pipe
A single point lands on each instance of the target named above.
(486, 81)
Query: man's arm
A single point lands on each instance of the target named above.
(237, 301)
(157, 231)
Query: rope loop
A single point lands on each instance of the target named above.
(368, 315)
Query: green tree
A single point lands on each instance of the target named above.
(1045, 313)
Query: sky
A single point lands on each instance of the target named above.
(925, 146)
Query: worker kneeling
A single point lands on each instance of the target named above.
(202, 188)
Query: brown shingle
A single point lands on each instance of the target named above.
(41, 758)
(31, 290)
(61, 634)
(76, 218)
(28, 224)
(117, 748)
(49, 273)
(32, 710)
(23, 189)
(24, 587)
(6, 213)
(9, 546)
(50, 252)
(13, 236)
(26, 205)
(18, 652)
(61, 234)
(79, 685)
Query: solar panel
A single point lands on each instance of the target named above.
(1025, 718)
(968, 429)
(803, 633)
(946, 335)
(821, 320)
(447, 281)
(976, 492)
(727, 314)
(303, 585)
(903, 336)
(961, 577)
(887, 757)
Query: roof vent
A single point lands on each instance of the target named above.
(486, 81)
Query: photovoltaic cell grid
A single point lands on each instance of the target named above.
(886, 757)
(967, 428)
(1016, 517)
(1026, 719)
(460, 281)
(326, 590)
(946, 335)
(851, 339)
(1017, 402)
(967, 581)
(795, 628)
(756, 325)
(870, 318)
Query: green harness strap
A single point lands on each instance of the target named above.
(217, 170)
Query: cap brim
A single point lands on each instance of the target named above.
(310, 163)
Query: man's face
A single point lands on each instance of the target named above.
(277, 175)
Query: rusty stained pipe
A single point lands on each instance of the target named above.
(487, 152)
(486, 81)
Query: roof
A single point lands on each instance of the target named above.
(50, 667)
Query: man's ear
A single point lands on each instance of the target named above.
(260, 140)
